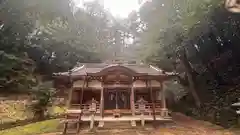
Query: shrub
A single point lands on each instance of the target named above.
(42, 99)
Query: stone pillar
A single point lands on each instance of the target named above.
(92, 121)
(133, 123)
(142, 119)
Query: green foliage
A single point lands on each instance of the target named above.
(13, 111)
(42, 99)
(16, 68)
(208, 33)
(168, 24)
(43, 37)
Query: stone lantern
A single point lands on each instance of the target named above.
(142, 108)
(92, 110)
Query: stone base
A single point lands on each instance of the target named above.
(92, 122)
(164, 112)
(101, 124)
(142, 120)
(133, 123)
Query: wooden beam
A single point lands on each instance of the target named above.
(122, 88)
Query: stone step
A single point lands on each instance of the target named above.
(116, 132)
(117, 125)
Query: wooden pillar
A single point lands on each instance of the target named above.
(102, 103)
(81, 102)
(69, 100)
(101, 123)
(132, 97)
(153, 101)
(163, 99)
(68, 103)
(82, 90)
(164, 110)
(132, 102)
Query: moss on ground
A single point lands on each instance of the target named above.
(11, 111)
(34, 128)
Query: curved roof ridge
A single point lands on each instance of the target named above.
(115, 65)
(119, 67)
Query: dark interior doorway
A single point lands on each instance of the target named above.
(116, 99)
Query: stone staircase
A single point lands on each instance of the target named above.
(117, 125)
(117, 128)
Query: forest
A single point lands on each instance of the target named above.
(196, 39)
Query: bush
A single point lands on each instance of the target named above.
(42, 99)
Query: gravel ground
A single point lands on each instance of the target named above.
(182, 125)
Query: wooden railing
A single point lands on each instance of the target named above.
(148, 108)
(85, 108)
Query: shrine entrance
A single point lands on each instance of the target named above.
(116, 99)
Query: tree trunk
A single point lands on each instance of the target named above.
(190, 77)
(39, 114)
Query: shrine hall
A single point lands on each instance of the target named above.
(102, 92)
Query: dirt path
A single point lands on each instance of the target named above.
(182, 125)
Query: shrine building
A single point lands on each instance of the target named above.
(102, 92)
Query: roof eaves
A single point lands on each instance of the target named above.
(161, 71)
(77, 68)
(155, 68)
(171, 73)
